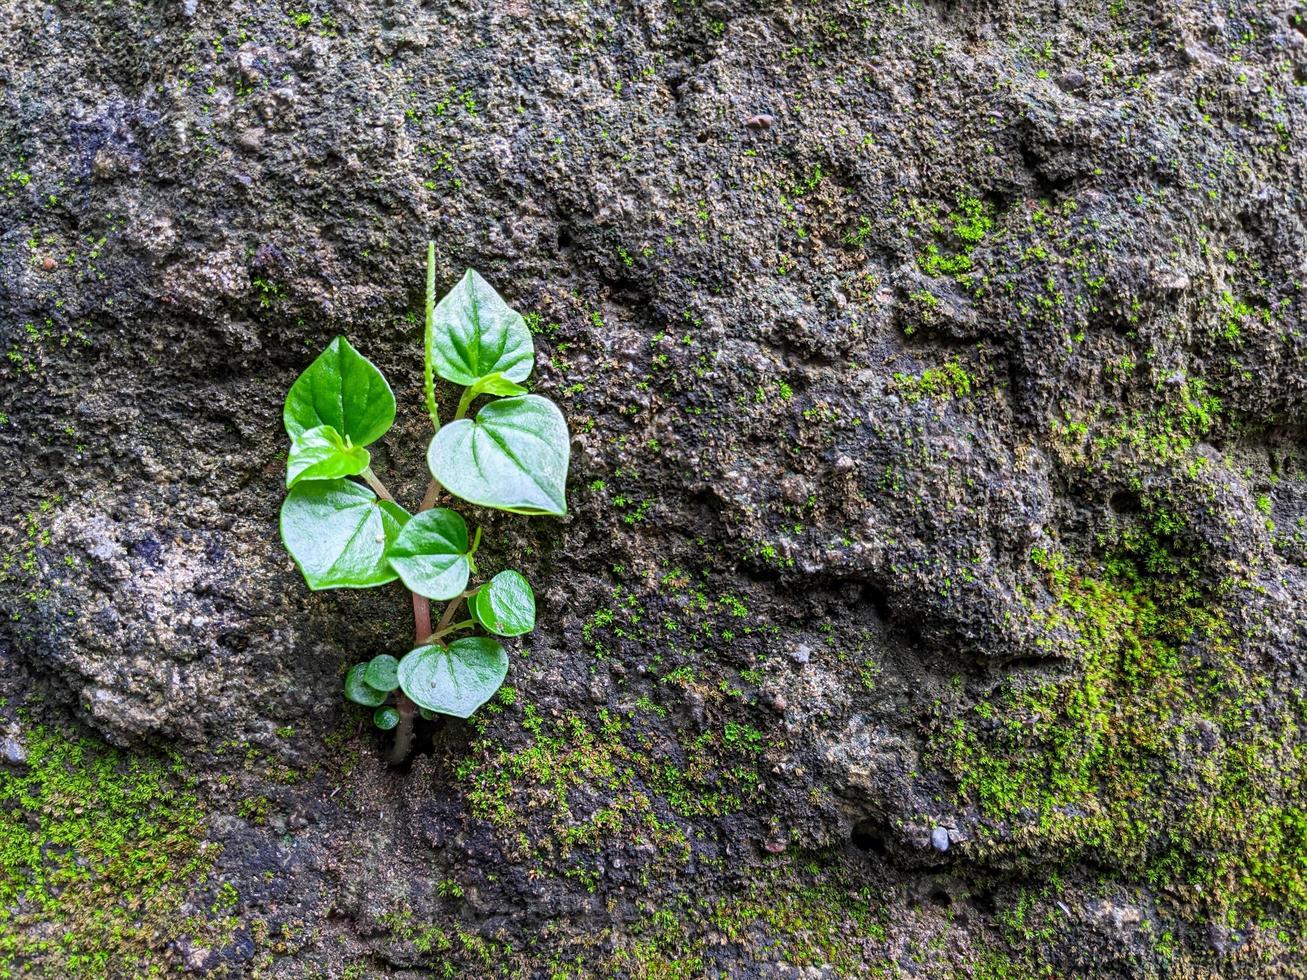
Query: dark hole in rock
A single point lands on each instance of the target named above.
(983, 902)
(911, 631)
(565, 239)
(1125, 502)
(941, 898)
(235, 641)
(424, 740)
(702, 137)
(867, 837)
(1026, 663)
(878, 599)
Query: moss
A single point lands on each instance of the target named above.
(1158, 753)
(951, 380)
(958, 236)
(99, 851)
(450, 949)
(575, 778)
(1163, 433)
(802, 913)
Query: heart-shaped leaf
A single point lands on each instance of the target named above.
(382, 672)
(475, 333)
(321, 453)
(344, 390)
(385, 718)
(505, 605)
(338, 531)
(430, 554)
(512, 456)
(454, 680)
(358, 690)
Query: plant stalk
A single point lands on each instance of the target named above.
(403, 743)
(452, 608)
(377, 486)
(465, 402)
(453, 628)
(429, 337)
(422, 632)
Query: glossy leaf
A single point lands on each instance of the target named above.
(321, 453)
(382, 672)
(476, 334)
(358, 690)
(385, 718)
(430, 554)
(454, 680)
(512, 456)
(497, 384)
(338, 532)
(505, 605)
(344, 390)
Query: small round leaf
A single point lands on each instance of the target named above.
(338, 531)
(430, 554)
(454, 680)
(512, 456)
(385, 718)
(505, 605)
(359, 691)
(382, 672)
(344, 390)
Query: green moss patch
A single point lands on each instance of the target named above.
(98, 853)
(1161, 752)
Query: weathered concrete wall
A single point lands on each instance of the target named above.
(936, 376)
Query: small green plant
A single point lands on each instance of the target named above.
(512, 455)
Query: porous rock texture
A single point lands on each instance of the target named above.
(931, 597)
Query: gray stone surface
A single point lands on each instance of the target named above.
(936, 378)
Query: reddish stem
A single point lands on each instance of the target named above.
(422, 632)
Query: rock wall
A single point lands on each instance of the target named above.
(931, 597)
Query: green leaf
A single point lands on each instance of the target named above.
(497, 384)
(358, 690)
(430, 554)
(512, 456)
(454, 680)
(505, 605)
(338, 531)
(382, 672)
(321, 453)
(477, 334)
(385, 718)
(344, 390)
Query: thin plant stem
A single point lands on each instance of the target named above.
(403, 743)
(465, 402)
(403, 740)
(377, 486)
(421, 618)
(452, 608)
(422, 632)
(429, 338)
(454, 628)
